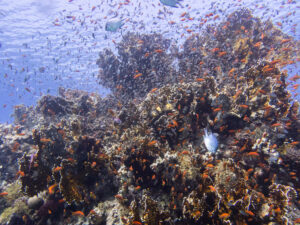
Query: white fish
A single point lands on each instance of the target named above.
(210, 141)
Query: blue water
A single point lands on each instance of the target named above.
(48, 44)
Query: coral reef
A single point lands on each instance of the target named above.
(139, 156)
(138, 69)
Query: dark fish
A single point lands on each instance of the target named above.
(42, 69)
(113, 25)
(172, 3)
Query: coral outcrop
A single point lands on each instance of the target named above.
(138, 156)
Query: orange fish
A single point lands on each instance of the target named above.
(181, 129)
(222, 53)
(232, 70)
(237, 94)
(78, 213)
(216, 17)
(210, 165)
(120, 197)
(183, 14)
(61, 201)
(295, 86)
(295, 78)
(136, 223)
(71, 160)
(212, 188)
(138, 187)
(276, 125)
(262, 91)
(45, 140)
(92, 212)
(3, 194)
(217, 109)
(244, 106)
(297, 220)
(159, 51)
(209, 14)
(249, 213)
(275, 61)
(137, 75)
(153, 90)
(185, 152)
(51, 189)
(200, 79)
(258, 44)
(250, 170)
(286, 49)
(265, 67)
(285, 41)
(21, 173)
(224, 215)
(175, 123)
(222, 128)
(59, 168)
(268, 69)
(93, 164)
(151, 143)
(253, 154)
(215, 49)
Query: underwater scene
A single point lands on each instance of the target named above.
(158, 112)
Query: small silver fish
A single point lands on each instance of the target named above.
(210, 141)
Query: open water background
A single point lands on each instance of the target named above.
(53, 43)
